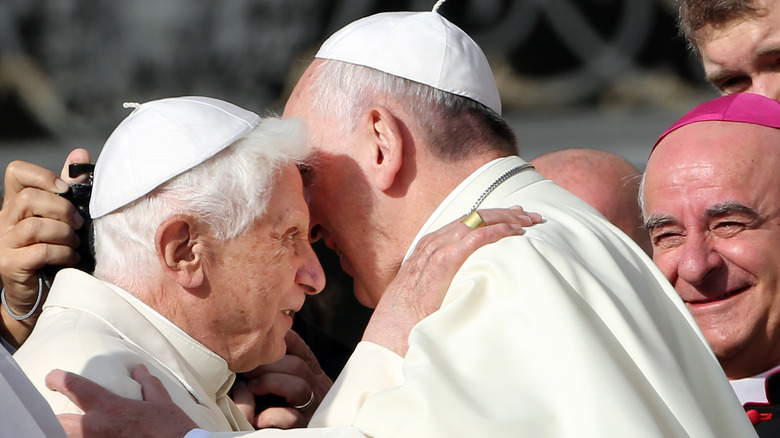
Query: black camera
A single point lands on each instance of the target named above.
(79, 195)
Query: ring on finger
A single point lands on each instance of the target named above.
(307, 404)
(473, 220)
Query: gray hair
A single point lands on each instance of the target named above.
(454, 126)
(227, 193)
(641, 196)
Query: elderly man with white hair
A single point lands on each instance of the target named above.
(202, 259)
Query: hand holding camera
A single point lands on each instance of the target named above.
(79, 195)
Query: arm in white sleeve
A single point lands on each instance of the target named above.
(370, 369)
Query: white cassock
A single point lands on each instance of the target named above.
(566, 331)
(101, 332)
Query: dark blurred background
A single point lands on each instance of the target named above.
(603, 74)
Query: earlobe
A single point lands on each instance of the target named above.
(179, 251)
(387, 138)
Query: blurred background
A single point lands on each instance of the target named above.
(603, 74)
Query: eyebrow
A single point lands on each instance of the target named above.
(769, 50)
(723, 72)
(656, 221)
(729, 208)
(714, 212)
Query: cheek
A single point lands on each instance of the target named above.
(667, 262)
(758, 256)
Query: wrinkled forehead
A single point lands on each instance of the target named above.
(712, 162)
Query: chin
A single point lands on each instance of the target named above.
(260, 355)
(363, 295)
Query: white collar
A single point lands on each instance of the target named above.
(752, 389)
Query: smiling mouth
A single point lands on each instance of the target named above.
(288, 312)
(720, 297)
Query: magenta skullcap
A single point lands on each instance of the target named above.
(754, 109)
(160, 140)
(423, 47)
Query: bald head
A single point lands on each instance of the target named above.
(606, 181)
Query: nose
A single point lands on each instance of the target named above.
(310, 273)
(766, 84)
(698, 260)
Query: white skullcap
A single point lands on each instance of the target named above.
(420, 46)
(160, 140)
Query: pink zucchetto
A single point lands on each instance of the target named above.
(739, 107)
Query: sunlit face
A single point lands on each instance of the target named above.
(340, 198)
(712, 201)
(260, 279)
(744, 55)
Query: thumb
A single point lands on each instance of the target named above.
(83, 392)
(75, 156)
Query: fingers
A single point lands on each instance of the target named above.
(293, 388)
(37, 227)
(76, 156)
(498, 223)
(83, 392)
(33, 202)
(29, 246)
(514, 217)
(297, 347)
(282, 418)
(421, 283)
(109, 415)
(21, 174)
(297, 378)
(151, 387)
(511, 215)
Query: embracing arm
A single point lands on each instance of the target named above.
(416, 292)
(429, 270)
(422, 282)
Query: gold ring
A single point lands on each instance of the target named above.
(474, 220)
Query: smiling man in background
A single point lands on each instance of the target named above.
(712, 206)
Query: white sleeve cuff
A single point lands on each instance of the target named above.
(370, 369)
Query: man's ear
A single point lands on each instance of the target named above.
(180, 251)
(386, 134)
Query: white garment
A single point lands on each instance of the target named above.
(569, 330)
(23, 412)
(101, 332)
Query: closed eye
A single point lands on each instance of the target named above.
(667, 240)
(735, 84)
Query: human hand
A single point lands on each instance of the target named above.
(296, 379)
(107, 415)
(419, 287)
(37, 228)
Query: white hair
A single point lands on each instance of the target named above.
(641, 196)
(227, 193)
